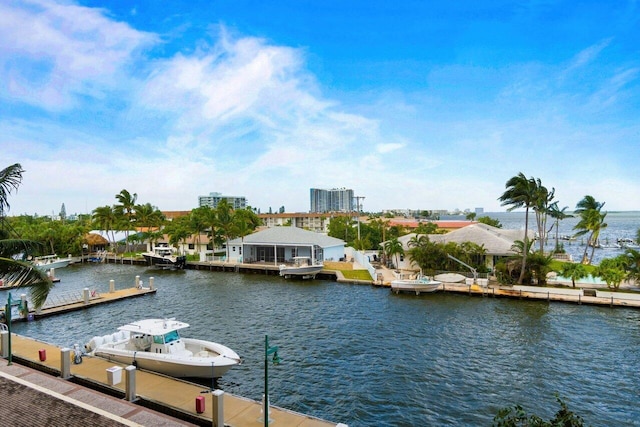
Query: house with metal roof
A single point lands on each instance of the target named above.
(497, 242)
(281, 244)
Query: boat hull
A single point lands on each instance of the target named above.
(306, 272)
(196, 366)
(57, 264)
(165, 261)
(416, 286)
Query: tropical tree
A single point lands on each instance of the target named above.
(632, 264)
(612, 271)
(490, 221)
(105, 218)
(12, 271)
(225, 222)
(558, 215)
(542, 201)
(591, 223)
(574, 271)
(126, 207)
(393, 248)
(521, 193)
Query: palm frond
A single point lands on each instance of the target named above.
(12, 247)
(23, 274)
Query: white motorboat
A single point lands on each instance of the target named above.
(164, 256)
(48, 262)
(418, 284)
(156, 345)
(302, 267)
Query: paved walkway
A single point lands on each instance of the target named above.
(33, 398)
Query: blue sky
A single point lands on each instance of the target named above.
(412, 104)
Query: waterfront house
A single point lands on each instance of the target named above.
(497, 242)
(280, 244)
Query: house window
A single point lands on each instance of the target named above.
(192, 246)
(240, 250)
(401, 258)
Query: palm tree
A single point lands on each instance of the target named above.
(225, 222)
(521, 192)
(12, 271)
(591, 222)
(543, 198)
(558, 215)
(574, 271)
(104, 218)
(392, 248)
(632, 263)
(127, 208)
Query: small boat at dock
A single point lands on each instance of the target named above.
(156, 345)
(164, 256)
(417, 284)
(48, 262)
(302, 267)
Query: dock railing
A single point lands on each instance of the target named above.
(70, 297)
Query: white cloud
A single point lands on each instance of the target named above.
(52, 52)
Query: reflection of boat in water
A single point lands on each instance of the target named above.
(156, 345)
(418, 284)
(164, 256)
(302, 267)
(48, 262)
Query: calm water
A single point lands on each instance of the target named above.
(363, 356)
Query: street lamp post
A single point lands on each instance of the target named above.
(358, 212)
(7, 316)
(276, 360)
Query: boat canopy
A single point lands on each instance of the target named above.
(154, 326)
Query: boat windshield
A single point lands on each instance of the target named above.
(166, 338)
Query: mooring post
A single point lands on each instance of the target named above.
(151, 283)
(85, 295)
(5, 344)
(130, 382)
(65, 363)
(112, 286)
(217, 408)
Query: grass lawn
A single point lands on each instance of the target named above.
(356, 275)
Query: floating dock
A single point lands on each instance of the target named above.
(79, 300)
(579, 296)
(163, 394)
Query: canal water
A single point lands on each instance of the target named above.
(366, 357)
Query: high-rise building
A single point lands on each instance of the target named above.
(334, 200)
(213, 199)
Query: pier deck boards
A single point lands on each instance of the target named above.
(166, 394)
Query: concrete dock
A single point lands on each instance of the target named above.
(169, 401)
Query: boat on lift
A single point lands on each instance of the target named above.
(302, 267)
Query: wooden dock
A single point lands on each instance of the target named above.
(541, 293)
(93, 298)
(161, 393)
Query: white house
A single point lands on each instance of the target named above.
(279, 244)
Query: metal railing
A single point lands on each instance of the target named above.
(69, 297)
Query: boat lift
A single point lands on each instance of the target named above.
(473, 270)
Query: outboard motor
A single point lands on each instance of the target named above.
(77, 354)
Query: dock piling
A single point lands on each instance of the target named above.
(85, 295)
(5, 343)
(151, 283)
(112, 286)
(217, 408)
(130, 379)
(65, 363)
